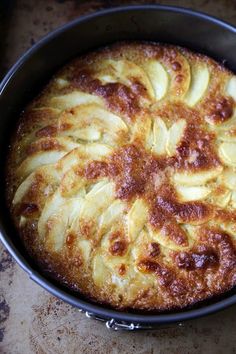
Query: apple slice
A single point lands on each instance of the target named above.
(74, 162)
(199, 82)
(51, 144)
(138, 249)
(136, 218)
(100, 273)
(86, 249)
(233, 199)
(50, 207)
(165, 239)
(222, 198)
(196, 178)
(190, 193)
(178, 66)
(45, 178)
(111, 216)
(58, 223)
(160, 135)
(175, 135)
(125, 72)
(158, 77)
(93, 117)
(71, 183)
(83, 154)
(228, 135)
(89, 133)
(38, 159)
(120, 281)
(57, 216)
(23, 188)
(56, 228)
(73, 99)
(142, 130)
(231, 87)
(95, 187)
(41, 118)
(114, 261)
(96, 202)
(227, 152)
(228, 178)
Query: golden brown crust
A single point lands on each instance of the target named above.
(122, 177)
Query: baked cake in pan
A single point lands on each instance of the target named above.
(121, 177)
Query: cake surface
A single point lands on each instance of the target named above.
(121, 177)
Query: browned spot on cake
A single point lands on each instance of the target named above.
(197, 260)
(70, 239)
(45, 144)
(28, 209)
(86, 227)
(197, 150)
(165, 275)
(122, 269)
(49, 130)
(221, 242)
(153, 249)
(219, 109)
(185, 212)
(176, 66)
(119, 97)
(174, 232)
(118, 248)
(132, 169)
(179, 78)
(96, 169)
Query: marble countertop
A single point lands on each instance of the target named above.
(33, 321)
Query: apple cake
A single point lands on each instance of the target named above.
(121, 177)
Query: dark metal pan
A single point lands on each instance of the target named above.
(195, 31)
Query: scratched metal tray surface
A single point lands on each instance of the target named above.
(33, 321)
